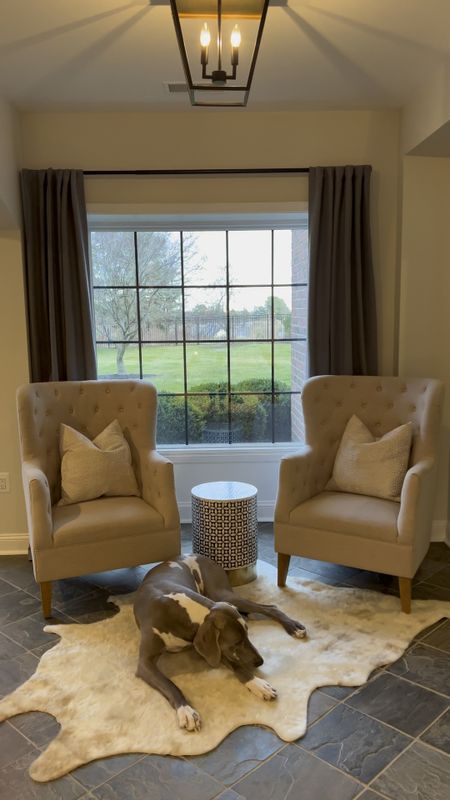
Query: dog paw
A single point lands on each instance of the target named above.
(295, 629)
(262, 689)
(188, 718)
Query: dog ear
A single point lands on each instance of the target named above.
(206, 642)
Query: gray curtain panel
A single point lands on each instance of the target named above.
(57, 279)
(342, 325)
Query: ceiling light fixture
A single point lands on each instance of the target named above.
(219, 42)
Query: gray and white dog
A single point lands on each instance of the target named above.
(190, 601)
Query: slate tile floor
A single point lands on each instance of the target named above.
(387, 739)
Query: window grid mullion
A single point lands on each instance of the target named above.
(183, 317)
(272, 346)
(227, 268)
(138, 304)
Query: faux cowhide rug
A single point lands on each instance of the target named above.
(87, 680)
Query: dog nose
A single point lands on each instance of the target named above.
(259, 661)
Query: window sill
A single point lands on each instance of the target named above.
(250, 453)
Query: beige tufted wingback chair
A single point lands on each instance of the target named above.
(110, 532)
(356, 530)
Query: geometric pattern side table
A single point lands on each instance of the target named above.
(225, 527)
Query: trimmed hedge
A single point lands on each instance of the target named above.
(251, 415)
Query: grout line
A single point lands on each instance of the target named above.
(25, 650)
(11, 586)
(333, 766)
(439, 624)
(283, 746)
(420, 643)
(384, 796)
(190, 759)
(407, 680)
(415, 740)
(23, 737)
(111, 777)
(421, 686)
(365, 714)
(14, 585)
(418, 737)
(431, 646)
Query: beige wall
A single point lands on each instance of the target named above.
(14, 371)
(199, 140)
(13, 349)
(427, 110)
(9, 184)
(425, 288)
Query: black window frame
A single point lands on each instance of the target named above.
(300, 223)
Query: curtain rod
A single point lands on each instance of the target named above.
(263, 171)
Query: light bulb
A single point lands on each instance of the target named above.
(205, 36)
(235, 37)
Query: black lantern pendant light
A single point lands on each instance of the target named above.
(219, 42)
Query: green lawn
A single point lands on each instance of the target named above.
(163, 364)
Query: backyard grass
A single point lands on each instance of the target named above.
(206, 363)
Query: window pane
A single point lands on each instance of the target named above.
(250, 257)
(282, 256)
(249, 361)
(112, 254)
(205, 314)
(207, 367)
(161, 315)
(115, 315)
(170, 428)
(205, 258)
(159, 257)
(282, 357)
(282, 416)
(250, 313)
(282, 311)
(208, 419)
(162, 364)
(118, 360)
(251, 418)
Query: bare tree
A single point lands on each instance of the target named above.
(115, 280)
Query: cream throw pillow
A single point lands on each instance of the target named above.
(367, 465)
(90, 469)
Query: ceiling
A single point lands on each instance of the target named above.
(315, 54)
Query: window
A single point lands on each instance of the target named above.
(215, 318)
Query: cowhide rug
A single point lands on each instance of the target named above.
(87, 680)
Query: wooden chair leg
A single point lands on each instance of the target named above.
(405, 585)
(46, 598)
(283, 567)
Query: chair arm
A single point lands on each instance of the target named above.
(300, 478)
(158, 486)
(38, 505)
(416, 503)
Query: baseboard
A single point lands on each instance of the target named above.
(440, 531)
(13, 544)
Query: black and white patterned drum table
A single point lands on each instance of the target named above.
(225, 528)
